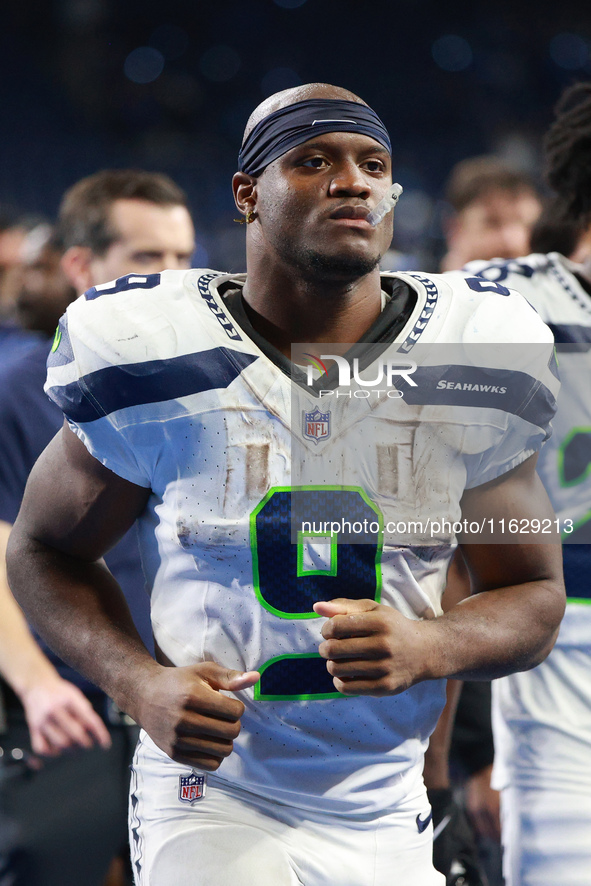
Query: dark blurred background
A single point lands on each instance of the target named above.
(168, 85)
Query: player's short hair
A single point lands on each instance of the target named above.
(475, 177)
(84, 214)
(568, 153)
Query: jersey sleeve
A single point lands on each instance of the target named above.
(94, 379)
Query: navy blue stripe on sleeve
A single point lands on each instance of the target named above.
(575, 554)
(107, 390)
(509, 390)
(571, 333)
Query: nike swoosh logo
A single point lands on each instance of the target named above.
(423, 823)
(441, 826)
(314, 122)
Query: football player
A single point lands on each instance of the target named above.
(542, 718)
(296, 684)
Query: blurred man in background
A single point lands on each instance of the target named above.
(12, 235)
(14, 228)
(494, 209)
(62, 822)
(120, 222)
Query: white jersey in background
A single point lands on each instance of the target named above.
(172, 390)
(542, 717)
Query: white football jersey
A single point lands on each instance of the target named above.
(171, 389)
(550, 284)
(543, 716)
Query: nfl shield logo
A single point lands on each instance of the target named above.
(316, 425)
(191, 787)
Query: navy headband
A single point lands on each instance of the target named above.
(283, 130)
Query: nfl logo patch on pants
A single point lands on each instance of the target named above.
(191, 787)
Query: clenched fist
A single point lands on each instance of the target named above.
(186, 715)
(371, 649)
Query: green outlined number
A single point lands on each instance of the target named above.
(289, 578)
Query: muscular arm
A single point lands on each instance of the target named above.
(518, 596)
(74, 510)
(509, 624)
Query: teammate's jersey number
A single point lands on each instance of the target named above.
(479, 284)
(124, 284)
(497, 272)
(289, 578)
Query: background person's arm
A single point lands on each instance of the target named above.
(73, 511)
(58, 714)
(436, 769)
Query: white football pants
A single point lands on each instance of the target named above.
(230, 837)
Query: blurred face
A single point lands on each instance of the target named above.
(11, 244)
(312, 205)
(45, 293)
(151, 238)
(498, 225)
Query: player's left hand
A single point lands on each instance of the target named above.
(370, 649)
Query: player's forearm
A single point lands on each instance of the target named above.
(96, 636)
(495, 633)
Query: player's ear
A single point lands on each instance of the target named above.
(244, 188)
(75, 264)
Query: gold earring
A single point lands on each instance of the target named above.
(248, 218)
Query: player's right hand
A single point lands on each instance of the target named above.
(61, 718)
(185, 714)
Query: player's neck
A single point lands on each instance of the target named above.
(285, 310)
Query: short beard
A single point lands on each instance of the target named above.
(319, 267)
